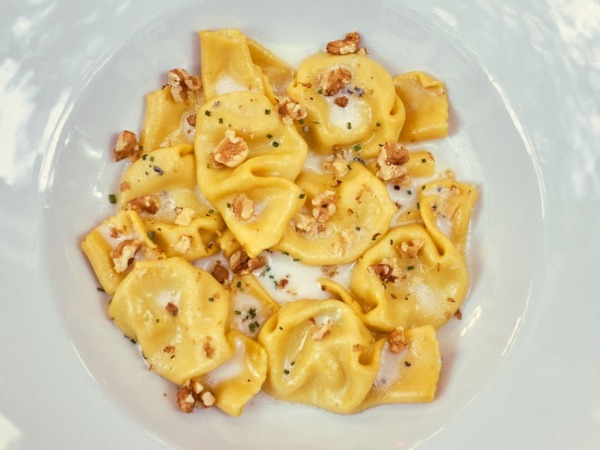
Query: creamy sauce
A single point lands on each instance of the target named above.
(389, 370)
(350, 114)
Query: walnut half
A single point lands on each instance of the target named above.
(127, 146)
(344, 46)
(231, 151)
(183, 85)
(191, 394)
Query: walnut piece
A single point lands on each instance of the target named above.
(127, 146)
(338, 166)
(321, 332)
(183, 245)
(230, 152)
(330, 270)
(335, 80)
(290, 110)
(397, 340)
(241, 263)
(410, 249)
(183, 85)
(124, 253)
(344, 46)
(220, 273)
(386, 270)
(172, 309)
(191, 394)
(144, 204)
(184, 216)
(342, 101)
(324, 206)
(243, 207)
(391, 162)
(304, 223)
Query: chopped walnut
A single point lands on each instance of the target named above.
(410, 249)
(386, 270)
(344, 46)
(124, 253)
(209, 349)
(304, 223)
(391, 162)
(241, 263)
(183, 85)
(350, 236)
(193, 393)
(146, 203)
(126, 146)
(335, 80)
(220, 273)
(172, 309)
(338, 166)
(290, 110)
(124, 186)
(342, 101)
(324, 206)
(183, 245)
(321, 332)
(184, 216)
(397, 340)
(243, 207)
(330, 270)
(169, 349)
(231, 151)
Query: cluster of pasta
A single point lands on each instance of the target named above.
(253, 159)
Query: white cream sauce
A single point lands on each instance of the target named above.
(229, 369)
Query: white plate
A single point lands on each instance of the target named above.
(520, 369)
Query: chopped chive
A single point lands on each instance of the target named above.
(112, 198)
(302, 195)
(207, 113)
(267, 111)
(349, 125)
(220, 120)
(275, 144)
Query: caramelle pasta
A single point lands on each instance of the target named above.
(280, 230)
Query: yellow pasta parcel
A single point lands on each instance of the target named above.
(247, 160)
(162, 188)
(426, 104)
(320, 354)
(113, 247)
(178, 314)
(238, 380)
(409, 369)
(351, 103)
(409, 279)
(342, 217)
(446, 207)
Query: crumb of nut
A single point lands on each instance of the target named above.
(344, 46)
(290, 110)
(124, 186)
(191, 394)
(123, 254)
(342, 101)
(241, 263)
(324, 206)
(144, 204)
(350, 236)
(126, 146)
(182, 84)
(397, 340)
(330, 270)
(220, 273)
(338, 166)
(386, 270)
(183, 245)
(207, 399)
(321, 332)
(458, 314)
(169, 349)
(209, 349)
(184, 216)
(243, 207)
(283, 283)
(304, 223)
(410, 248)
(391, 162)
(335, 80)
(230, 152)
(172, 309)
